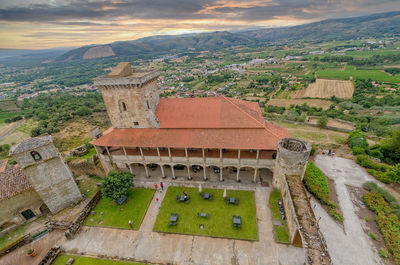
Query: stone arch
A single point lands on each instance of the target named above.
(248, 174)
(265, 176)
(139, 169)
(197, 172)
(213, 172)
(229, 173)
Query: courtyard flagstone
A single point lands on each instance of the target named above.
(146, 245)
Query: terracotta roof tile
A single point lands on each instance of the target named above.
(192, 138)
(13, 181)
(212, 112)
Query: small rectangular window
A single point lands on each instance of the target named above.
(136, 123)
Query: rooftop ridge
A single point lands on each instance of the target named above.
(240, 109)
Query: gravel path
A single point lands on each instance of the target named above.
(351, 246)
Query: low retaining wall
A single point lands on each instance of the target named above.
(17, 244)
(77, 223)
(51, 256)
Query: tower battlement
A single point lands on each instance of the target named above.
(131, 98)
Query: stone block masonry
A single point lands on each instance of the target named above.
(47, 172)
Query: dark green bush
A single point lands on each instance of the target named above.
(316, 182)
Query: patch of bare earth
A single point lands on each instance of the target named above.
(326, 88)
(334, 123)
(318, 103)
(364, 213)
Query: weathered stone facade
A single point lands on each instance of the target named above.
(47, 172)
(131, 97)
(11, 208)
(291, 159)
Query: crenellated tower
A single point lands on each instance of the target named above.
(131, 98)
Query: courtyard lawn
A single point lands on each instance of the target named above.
(280, 231)
(219, 224)
(79, 260)
(118, 216)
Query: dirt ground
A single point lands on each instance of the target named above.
(318, 103)
(325, 88)
(362, 212)
(333, 123)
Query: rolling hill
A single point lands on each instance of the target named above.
(376, 25)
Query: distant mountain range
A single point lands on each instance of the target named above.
(376, 25)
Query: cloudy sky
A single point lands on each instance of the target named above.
(38, 24)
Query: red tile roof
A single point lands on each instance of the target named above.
(216, 122)
(13, 181)
(193, 138)
(212, 112)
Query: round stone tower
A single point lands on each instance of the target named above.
(291, 159)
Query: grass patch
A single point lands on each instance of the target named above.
(7, 115)
(79, 260)
(134, 208)
(12, 236)
(88, 185)
(375, 75)
(220, 222)
(27, 126)
(281, 234)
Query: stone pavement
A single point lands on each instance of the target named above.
(351, 246)
(42, 246)
(146, 245)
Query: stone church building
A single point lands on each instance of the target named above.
(196, 138)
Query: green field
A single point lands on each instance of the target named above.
(375, 75)
(118, 216)
(219, 224)
(12, 236)
(79, 260)
(6, 115)
(366, 54)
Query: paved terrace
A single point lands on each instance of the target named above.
(146, 245)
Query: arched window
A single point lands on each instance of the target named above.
(36, 156)
(274, 156)
(123, 106)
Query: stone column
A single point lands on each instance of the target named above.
(173, 172)
(255, 175)
(141, 153)
(237, 174)
(258, 156)
(220, 174)
(169, 154)
(186, 154)
(162, 171)
(188, 169)
(147, 171)
(205, 172)
(158, 153)
(130, 168)
(126, 156)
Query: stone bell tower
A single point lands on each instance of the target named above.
(49, 175)
(131, 98)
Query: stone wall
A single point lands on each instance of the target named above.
(54, 183)
(50, 177)
(10, 209)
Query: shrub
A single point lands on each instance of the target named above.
(376, 203)
(357, 150)
(383, 253)
(379, 175)
(323, 121)
(333, 211)
(394, 173)
(365, 161)
(316, 182)
(117, 185)
(313, 149)
(367, 219)
(357, 138)
(373, 235)
(370, 186)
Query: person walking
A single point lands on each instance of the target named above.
(130, 224)
(162, 186)
(155, 186)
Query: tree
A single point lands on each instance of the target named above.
(323, 121)
(117, 184)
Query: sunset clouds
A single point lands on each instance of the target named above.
(56, 23)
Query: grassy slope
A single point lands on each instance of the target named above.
(134, 208)
(220, 222)
(280, 231)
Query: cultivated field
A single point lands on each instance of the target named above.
(324, 88)
(324, 104)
